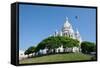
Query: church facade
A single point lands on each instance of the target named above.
(67, 30)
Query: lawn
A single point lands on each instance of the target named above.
(57, 58)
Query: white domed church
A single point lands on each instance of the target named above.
(67, 30)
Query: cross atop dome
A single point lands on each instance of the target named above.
(67, 23)
(66, 18)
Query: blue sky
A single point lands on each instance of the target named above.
(38, 22)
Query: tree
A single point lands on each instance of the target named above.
(69, 42)
(29, 50)
(49, 43)
(55, 42)
(88, 47)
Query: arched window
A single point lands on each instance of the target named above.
(66, 34)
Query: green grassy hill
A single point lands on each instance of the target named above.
(57, 58)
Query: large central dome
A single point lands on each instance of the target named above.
(67, 24)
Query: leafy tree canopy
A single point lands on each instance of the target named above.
(88, 47)
(30, 50)
(55, 42)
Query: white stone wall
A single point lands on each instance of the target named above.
(60, 49)
(76, 49)
(43, 51)
(22, 55)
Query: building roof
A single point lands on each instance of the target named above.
(67, 24)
